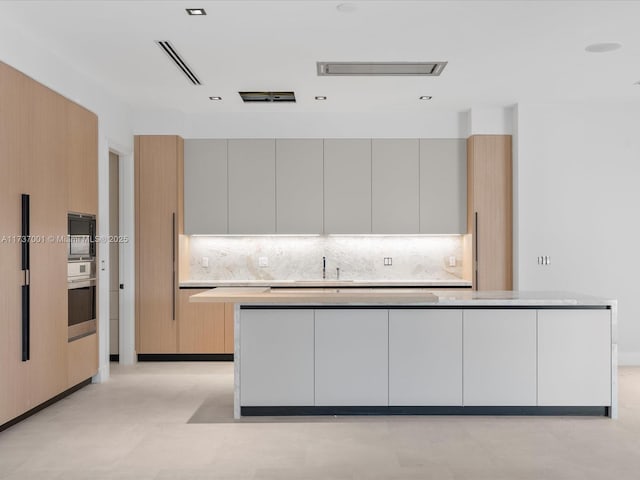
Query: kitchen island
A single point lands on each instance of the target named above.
(302, 351)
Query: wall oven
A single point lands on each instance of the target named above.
(81, 288)
(81, 229)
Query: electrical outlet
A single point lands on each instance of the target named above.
(544, 260)
(388, 261)
(205, 262)
(263, 261)
(452, 261)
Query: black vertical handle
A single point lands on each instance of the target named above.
(26, 324)
(173, 266)
(475, 240)
(25, 290)
(24, 239)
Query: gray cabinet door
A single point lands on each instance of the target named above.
(351, 357)
(443, 185)
(395, 186)
(252, 186)
(574, 357)
(277, 357)
(499, 357)
(205, 186)
(299, 186)
(425, 357)
(347, 186)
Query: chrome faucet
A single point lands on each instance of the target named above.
(337, 273)
(324, 268)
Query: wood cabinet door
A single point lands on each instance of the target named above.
(201, 325)
(299, 186)
(395, 185)
(156, 242)
(46, 182)
(347, 186)
(490, 213)
(82, 159)
(15, 117)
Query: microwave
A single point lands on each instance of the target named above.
(81, 230)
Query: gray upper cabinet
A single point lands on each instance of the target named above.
(347, 186)
(443, 186)
(205, 193)
(252, 186)
(395, 186)
(299, 175)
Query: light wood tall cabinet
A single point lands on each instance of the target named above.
(489, 210)
(206, 195)
(82, 161)
(252, 186)
(347, 186)
(299, 180)
(395, 186)
(35, 145)
(158, 166)
(201, 326)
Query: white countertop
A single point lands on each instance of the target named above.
(394, 296)
(324, 283)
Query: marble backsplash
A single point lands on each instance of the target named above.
(300, 257)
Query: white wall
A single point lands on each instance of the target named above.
(429, 124)
(114, 132)
(577, 199)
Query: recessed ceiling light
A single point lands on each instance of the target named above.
(215, 98)
(637, 83)
(196, 11)
(321, 97)
(603, 47)
(346, 7)
(425, 97)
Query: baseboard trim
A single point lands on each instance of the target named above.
(46, 404)
(185, 357)
(114, 357)
(421, 410)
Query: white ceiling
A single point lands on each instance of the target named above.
(499, 52)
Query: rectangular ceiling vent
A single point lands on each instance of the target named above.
(268, 96)
(178, 61)
(430, 69)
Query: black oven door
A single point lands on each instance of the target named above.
(82, 309)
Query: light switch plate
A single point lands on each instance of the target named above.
(263, 261)
(452, 261)
(388, 261)
(205, 262)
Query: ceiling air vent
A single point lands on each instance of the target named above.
(431, 69)
(268, 96)
(179, 62)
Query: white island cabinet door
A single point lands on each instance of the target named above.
(347, 186)
(574, 357)
(395, 180)
(299, 185)
(499, 349)
(276, 366)
(425, 357)
(252, 186)
(352, 357)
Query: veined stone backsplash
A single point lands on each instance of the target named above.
(300, 257)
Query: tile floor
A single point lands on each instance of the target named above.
(173, 421)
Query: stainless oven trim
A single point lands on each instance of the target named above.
(81, 283)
